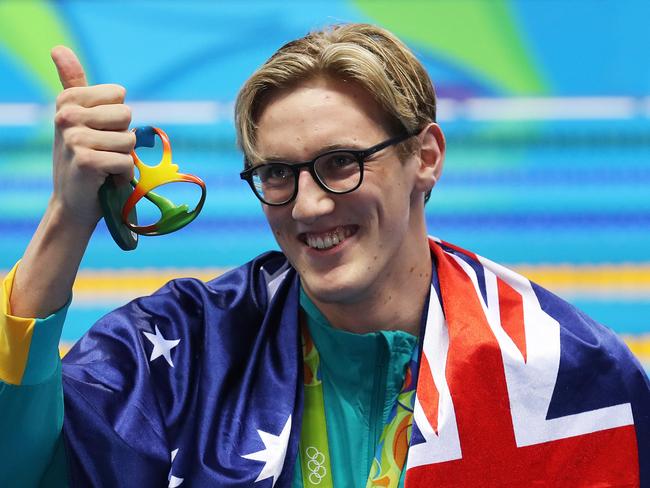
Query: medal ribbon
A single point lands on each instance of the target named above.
(390, 454)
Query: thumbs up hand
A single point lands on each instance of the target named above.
(92, 140)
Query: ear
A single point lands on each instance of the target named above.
(431, 157)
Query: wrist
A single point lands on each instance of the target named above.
(44, 279)
(59, 218)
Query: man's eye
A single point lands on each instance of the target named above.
(340, 161)
(274, 173)
(279, 172)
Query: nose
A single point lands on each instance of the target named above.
(311, 201)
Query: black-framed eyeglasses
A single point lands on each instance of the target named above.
(338, 171)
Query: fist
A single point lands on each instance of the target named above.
(92, 139)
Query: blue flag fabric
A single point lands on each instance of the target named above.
(205, 378)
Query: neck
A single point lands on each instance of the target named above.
(395, 304)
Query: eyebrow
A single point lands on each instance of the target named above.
(322, 150)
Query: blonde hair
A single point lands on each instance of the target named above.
(368, 55)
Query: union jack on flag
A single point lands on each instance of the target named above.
(518, 388)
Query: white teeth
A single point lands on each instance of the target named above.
(329, 240)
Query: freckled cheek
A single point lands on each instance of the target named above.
(277, 223)
(281, 233)
(284, 235)
(276, 227)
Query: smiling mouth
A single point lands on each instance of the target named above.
(327, 240)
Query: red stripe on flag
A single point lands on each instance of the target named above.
(427, 393)
(577, 462)
(474, 366)
(511, 310)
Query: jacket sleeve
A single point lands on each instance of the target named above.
(31, 397)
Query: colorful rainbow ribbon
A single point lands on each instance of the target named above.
(391, 451)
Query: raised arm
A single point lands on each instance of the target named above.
(92, 140)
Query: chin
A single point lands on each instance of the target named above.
(339, 289)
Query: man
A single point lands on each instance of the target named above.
(421, 363)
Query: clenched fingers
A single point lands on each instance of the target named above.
(108, 117)
(91, 96)
(103, 117)
(100, 140)
(103, 163)
(91, 141)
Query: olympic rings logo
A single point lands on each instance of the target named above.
(315, 465)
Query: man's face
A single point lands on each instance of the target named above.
(375, 226)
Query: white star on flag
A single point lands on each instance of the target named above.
(274, 453)
(161, 346)
(173, 480)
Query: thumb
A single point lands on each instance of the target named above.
(71, 73)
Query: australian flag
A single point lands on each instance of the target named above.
(199, 384)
